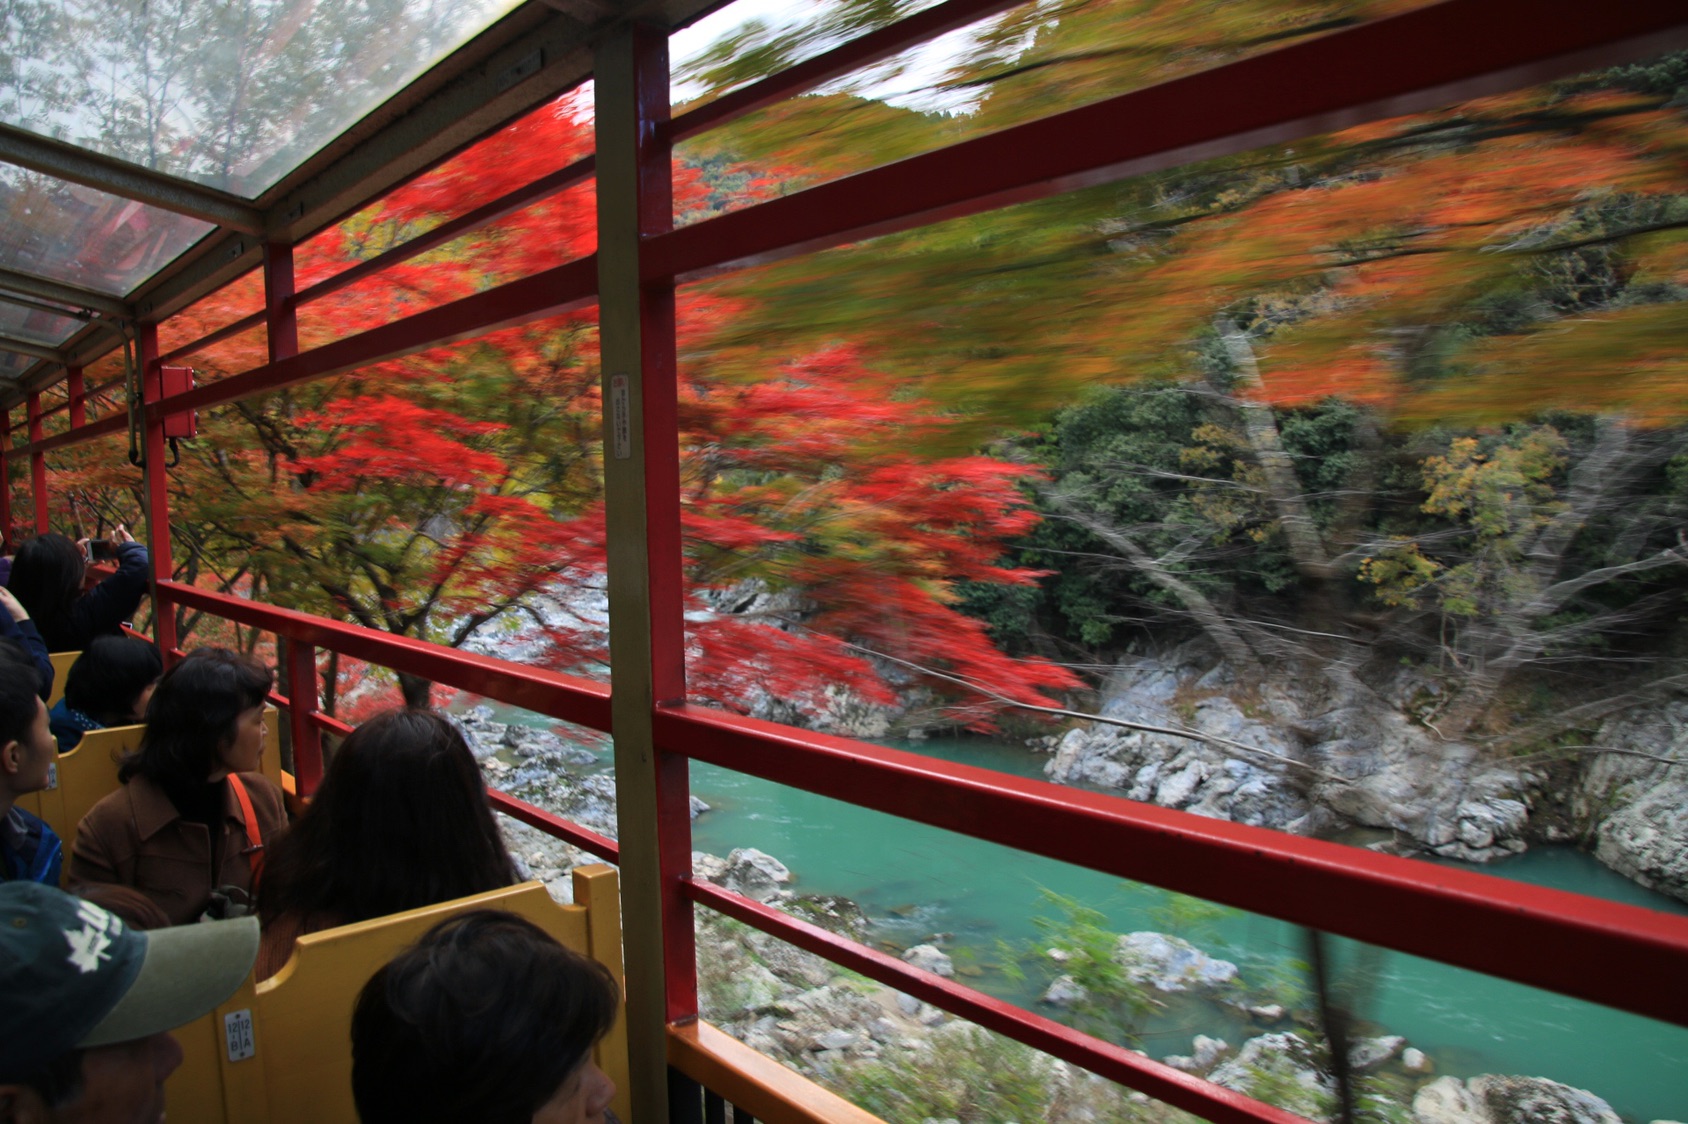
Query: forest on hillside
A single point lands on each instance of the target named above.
(1407, 393)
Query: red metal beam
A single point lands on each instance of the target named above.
(558, 290)
(227, 331)
(484, 215)
(1414, 61)
(116, 423)
(851, 56)
(1621, 955)
(37, 462)
(564, 697)
(157, 483)
(1175, 1087)
(76, 397)
(569, 832)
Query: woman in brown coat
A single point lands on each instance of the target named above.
(178, 830)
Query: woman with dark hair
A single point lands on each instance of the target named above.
(486, 1018)
(47, 577)
(401, 821)
(109, 685)
(194, 814)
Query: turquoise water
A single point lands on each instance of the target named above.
(917, 882)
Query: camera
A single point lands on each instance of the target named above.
(102, 549)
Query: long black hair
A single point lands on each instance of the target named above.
(47, 576)
(110, 675)
(192, 715)
(483, 1019)
(401, 821)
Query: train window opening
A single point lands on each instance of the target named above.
(1328, 487)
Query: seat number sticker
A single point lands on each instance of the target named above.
(621, 418)
(237, 1028)
(52, 775)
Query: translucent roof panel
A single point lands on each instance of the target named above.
(233, 94)
(34, 325)
(12, 364)
(79, 236)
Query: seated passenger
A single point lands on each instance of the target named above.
(47, 577)
(401, 821)
(87, 1004)
(29, 850)
(109, 685)
(193, 814)
(486, 1018)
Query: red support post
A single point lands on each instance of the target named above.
(302, 702)
(78, 389)
(281, 315)
(37, 463)
(6, 478)
(157, 487)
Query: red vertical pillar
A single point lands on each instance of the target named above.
(37, 462)
(78, 396)
(642, 499)
(157, 487)
(281, 324)
(6, 477)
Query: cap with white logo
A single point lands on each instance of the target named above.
(73, 975)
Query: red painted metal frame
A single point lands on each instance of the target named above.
(555, 291)
(485, 215)
(1174, 1087)
(37, 462)
(227, 331)
(1580, 946)
(157, 484)
(1414, 61)
(76, 396)
(841, 60)
(6, 478)
(564, 697)
(572, 833)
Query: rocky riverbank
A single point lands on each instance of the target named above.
(911, 1061)
(1324, 753)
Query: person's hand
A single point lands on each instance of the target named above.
(120, 533)
(12, 605)
(86, 546)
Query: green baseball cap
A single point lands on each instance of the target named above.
(73, 975)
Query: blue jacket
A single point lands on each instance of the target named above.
(30, 851)
(69, 724)
(24, 635)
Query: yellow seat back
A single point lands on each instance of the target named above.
(81, 778)
(298, 1023)
(61, 668)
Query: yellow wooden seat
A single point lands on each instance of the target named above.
(61, 669)
(82, 777)
(279, 1052)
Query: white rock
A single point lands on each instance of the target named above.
(1169, 963)
(755, 874)
(1209, 1050)
(836, 1039)
(1368, 1053)
(1064, 991)
(930, 958)
(1414, 1060)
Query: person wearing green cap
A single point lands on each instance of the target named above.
(87, 1004)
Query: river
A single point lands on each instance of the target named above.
(915, 881)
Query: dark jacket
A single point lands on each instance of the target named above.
(29, 849)
(24, 634)
(69, 724)
(105, 608)
(136, 837)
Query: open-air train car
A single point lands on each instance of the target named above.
(99, 251)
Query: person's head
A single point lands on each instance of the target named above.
(486, 1018)
(205, 720)
(113, 679)
(400, 821)
(87, 1003)
(27, 746)
(47, 574)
